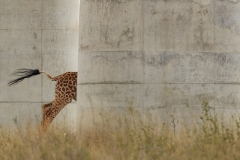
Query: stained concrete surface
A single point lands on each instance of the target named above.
(159, 55)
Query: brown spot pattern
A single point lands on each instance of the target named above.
(65, 91)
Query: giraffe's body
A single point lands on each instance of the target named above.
(65, 92)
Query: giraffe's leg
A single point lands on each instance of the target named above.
(52, 112)
(45, 108)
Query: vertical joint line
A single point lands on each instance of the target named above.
(41, 53)
(214, 49)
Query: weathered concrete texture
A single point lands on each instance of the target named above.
(145, 95)
(166, 56)
(15, 114)
(111, 25)
(36, 34)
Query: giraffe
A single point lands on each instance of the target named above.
(65, 92)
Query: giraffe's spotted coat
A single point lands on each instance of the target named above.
(65, 91)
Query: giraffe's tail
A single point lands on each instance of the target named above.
(23, 73)
(50, 77)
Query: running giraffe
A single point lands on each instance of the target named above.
(65, 91)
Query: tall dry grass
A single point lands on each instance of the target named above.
(127, 137)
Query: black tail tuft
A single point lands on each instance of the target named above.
(23, 73)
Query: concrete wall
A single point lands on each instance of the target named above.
(36, 34)
(160, 56)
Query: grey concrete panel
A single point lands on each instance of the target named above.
(66, 21)
(227, 27)
(145, 95)
(178, 26)
(227, 96)
(179, 67)
(59, 42)
(60, 14)
(227, 68)
(111, 67)
(48, 88)
(20, 20)
(14, 42)
(20, 49)
(115, 95)
(147, 67)
(29, 112)
(20, 6)
(190, 55)
(107, 26)
(30, 87)
(20, 14)
(60, 6)
(177, 95)
(19, 114)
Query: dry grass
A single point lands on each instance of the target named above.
(129, 138)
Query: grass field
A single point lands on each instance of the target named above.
(129, 138)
